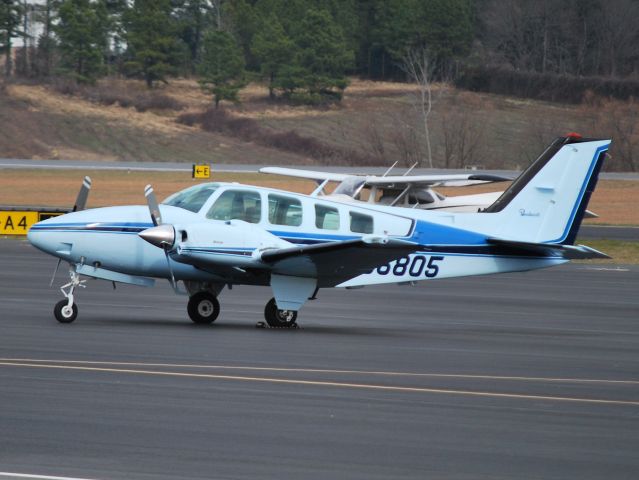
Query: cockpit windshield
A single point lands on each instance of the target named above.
(192, 198)
(350, 186)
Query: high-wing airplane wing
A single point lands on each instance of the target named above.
(309, 174)
(325, 261)
(454, 180)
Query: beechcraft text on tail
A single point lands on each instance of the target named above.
(216, 235)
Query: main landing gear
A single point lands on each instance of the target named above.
(66, 310)
(204, 308)
(279, 318)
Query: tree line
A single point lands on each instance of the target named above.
(306, 49)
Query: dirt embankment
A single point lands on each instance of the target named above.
(376, 124)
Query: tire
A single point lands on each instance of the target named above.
(279, 318)
(203, 308)
(63, 314)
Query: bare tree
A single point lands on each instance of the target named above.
(620, 121)
(462, 138)
(418, 67)
(374, 140)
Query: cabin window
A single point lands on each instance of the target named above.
(284, 210)
(361, 223)
(192, 198)
(237, 205)
(326, 218)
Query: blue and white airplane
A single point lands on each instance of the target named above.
(214, 235)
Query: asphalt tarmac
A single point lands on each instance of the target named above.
(528, 375)
(91, 165)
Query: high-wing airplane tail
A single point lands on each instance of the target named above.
(547, 202)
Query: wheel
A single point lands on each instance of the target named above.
(279, 318)
(63, 313)
(203, 308)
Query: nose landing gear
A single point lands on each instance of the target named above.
(203, 308)
(66, 310)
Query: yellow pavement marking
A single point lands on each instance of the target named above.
(319, 370)
(328, 384)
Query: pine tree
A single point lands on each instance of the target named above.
(222, 67)
(274, 51)
(192, 17)
(82, 30)
(151, 40)
(323, 54)
(10, 14)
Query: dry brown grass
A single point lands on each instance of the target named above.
(614, 200)
(59, 188)
(45, 100)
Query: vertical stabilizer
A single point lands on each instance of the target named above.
(547, 202)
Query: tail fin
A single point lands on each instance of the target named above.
(547, 202)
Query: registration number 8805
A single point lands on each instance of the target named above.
(414, 266)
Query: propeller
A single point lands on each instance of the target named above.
(161, 235)
(80, 204)
(154, 208)
(83, 195)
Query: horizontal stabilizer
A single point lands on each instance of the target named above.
(335, 262)
(569, 252)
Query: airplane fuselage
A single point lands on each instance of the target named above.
(107, 239)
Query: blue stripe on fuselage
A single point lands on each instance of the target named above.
(424, 233)
(427, 233)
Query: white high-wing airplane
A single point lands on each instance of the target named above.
(413, 191)
(222, 234)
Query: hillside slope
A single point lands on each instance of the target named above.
(376, 124)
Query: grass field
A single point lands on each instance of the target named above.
(614, 200)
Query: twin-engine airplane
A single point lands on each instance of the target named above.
(222, 234)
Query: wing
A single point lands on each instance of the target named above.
(335, 262)
(458, 180)
(309, 174)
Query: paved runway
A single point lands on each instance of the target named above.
(531, 375)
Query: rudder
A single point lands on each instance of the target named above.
(547, 202)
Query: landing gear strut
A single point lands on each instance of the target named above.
(203, 308)
(66, 311)
(279, 318)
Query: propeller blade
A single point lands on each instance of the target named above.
(168, 262)
(154, 208)
(83, 195)
(55, 272)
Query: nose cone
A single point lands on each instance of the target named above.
(38, 235)
(162, 236)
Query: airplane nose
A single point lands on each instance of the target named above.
(39, 238)
(162, 236)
